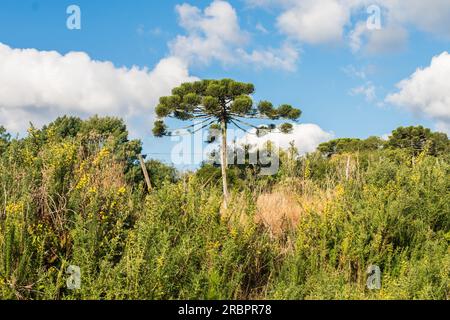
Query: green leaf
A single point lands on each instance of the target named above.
(215, 90)
(286, 128)
(159, 129)
(192, 99)
(266, 109)
(242, 105)
(211, 104)
(162, 110)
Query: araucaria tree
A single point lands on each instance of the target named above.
(219, 104)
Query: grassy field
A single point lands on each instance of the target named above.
(73, 193)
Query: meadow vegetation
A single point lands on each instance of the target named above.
(73, 193)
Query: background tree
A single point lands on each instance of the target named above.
(350, 145)
(158, 171)
(418, 139)
(5, 137)
(221, 103)
(112, 133)
(65, 126)
(96, 133)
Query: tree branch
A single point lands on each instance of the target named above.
(246, 131)
(246, 123)
(206, 125)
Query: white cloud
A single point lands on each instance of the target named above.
(443, 127)
(368, 91)
(306, 138)
(431, 16)
(284, 58)
(40, 85)
(390, 38)
(214, 34)
(210, 34)
(331, 21)
(315, 21)
(427, 91)
(353, 72)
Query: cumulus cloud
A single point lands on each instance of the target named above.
(331, 21)
(315, 21)
(306, 138)
(431, 16)
(214, 34)
(390, 38)
(427, 91)
(40, 85)
(210, 34)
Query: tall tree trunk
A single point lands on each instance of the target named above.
(224, 163)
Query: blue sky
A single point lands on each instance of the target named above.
(316, 65)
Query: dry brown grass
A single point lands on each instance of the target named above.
(281, 210)
(278, 211)
(108, 176)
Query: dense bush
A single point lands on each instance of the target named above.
(73, 193)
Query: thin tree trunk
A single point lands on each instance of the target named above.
(145, 172)
(224, 163)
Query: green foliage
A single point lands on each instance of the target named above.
(72, 193)
(216, 101)
(286, 128)
(159, 172)
(287, 112)
(4, 139)
(65, 127)
(418, 139)
(160, 129)
(399, 225)
(242, 105)
(344, 145)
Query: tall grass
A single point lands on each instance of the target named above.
(308, 233)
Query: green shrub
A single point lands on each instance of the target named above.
(73, 193)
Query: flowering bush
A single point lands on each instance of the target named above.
(72, 193)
